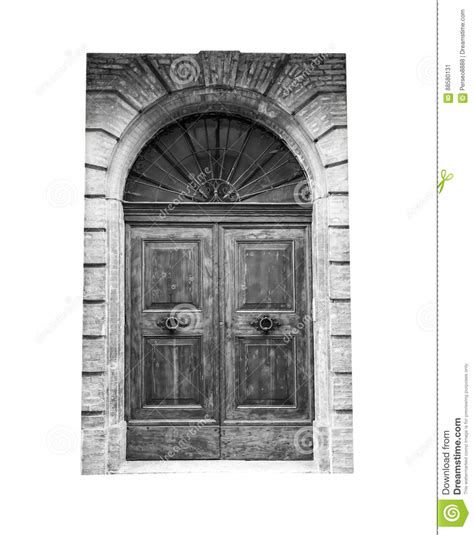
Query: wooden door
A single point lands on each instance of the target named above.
(218, 341)
(267, 410)
(173, 347)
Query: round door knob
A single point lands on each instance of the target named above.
(171, 323)
(265, 323)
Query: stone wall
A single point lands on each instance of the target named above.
(302, 98)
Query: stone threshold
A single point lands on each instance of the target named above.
(167, 467)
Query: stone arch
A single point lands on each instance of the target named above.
(125, 109)
(247, 103)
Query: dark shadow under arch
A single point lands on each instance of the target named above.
(216, 157)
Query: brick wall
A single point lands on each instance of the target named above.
(302, 98)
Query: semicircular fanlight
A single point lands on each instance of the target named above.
(214, 158)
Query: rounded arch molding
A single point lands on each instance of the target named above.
(141, 129)
(127, 105)
(248, 104)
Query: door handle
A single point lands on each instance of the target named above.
(264, 323)
(171, 323)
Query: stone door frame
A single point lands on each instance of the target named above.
(104, 428)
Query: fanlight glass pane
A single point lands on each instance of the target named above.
(216, 158)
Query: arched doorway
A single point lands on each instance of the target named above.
(131, 97)
(219, 360)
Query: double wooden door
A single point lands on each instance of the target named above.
(218, 341)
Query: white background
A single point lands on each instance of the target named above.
(391, 97)
(456, 288)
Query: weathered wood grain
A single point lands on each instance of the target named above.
(141, 80)
(267, 442)
(265, 269)
(172, 374)
(172, 442)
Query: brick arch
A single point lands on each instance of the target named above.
(246, 103)
(131, 97)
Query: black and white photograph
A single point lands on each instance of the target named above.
(236, 267)
(216, 263)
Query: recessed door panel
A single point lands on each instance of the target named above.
(218, 342)
(265, 276)
(171, 273)
(172, 372)
(267, 333)
(173, 362)
(266, 372)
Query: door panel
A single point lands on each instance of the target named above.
(173, 367)
(268, 443)
(172, 442)
(265, 276)
(219, 342)
(171, 274)
(267, 370)
(172, 372)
